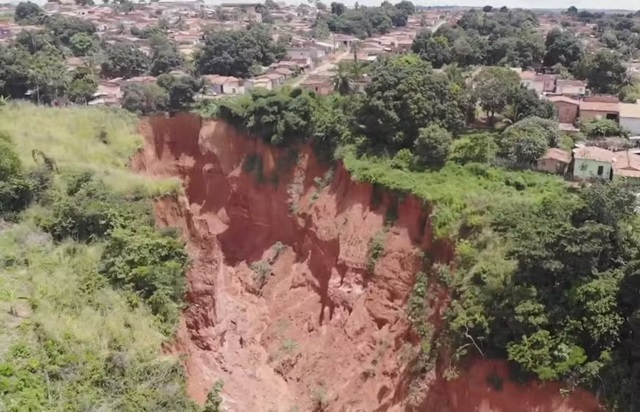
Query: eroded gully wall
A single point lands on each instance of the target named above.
(321, 328)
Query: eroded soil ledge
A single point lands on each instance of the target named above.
(281, 305)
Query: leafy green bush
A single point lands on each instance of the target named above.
(278, 117)
(150, 263)
(376, 248)
(89, 210)
(17, 187)
(600, 128)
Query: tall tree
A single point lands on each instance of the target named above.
(495, 88)
(405, 95)
(562, 47)
(123, 60)
(27, 12)
(604, 72)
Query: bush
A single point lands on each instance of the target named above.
(151, 264)
(278, 117)
(89, 210)
(432, 146)
(376, 247)
(601, 128)
(17, 188)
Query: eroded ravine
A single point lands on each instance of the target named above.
(308, 324)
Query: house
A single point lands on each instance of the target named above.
(276, 79)
(592, 162)
(320, 85)
(567, 108)
(314, 53)
(217, 84)
(599, 110)
(630, 117)
(627, 164)
(284, 72)
(554, 161)
(263, 83)
(571, 87)
(540, 83)
(343, 40)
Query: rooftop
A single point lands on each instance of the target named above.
(600, 107)
(630, 110)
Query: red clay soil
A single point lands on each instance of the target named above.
(321, 329)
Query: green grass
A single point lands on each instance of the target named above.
(459, 194)
(58, 351)
(75, 138)
(69, 339)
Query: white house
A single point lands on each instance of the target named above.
(630, 117)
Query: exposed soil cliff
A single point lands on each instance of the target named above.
(282, 304)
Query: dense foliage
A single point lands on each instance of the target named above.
(84, 329)
(237, 52)
(544, 271)
(366, 21)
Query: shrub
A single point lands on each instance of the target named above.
(376, 247)
(600, 128)
(151, 264)
(261, 271)
(89, 210)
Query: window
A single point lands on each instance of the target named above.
(600, 170)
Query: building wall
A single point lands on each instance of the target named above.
(567, 112)
(551, 166)
(588, 114)
(571, 90)
(535, 85)
(632, 124)
(588, 169)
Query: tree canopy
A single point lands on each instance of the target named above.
(235, 52)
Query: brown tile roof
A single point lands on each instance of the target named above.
(600, 107)
(576, 83)
(594, 153)
(557, 154)
(627, 160)
(563, 99)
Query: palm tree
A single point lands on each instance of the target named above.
(343, 81)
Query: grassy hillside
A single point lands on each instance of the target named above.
(98, 139)
(89, 290)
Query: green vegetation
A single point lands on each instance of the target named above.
(365, 21)
(93, 289)
(545, 272)
(376, 248)
(237, 52)
(75, 138)
(214, 398)
(261, 272)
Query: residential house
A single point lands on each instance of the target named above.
(592, 162)
(567, 108)
(599, 110)
(343, 40)
(627, 164)
(311, 52)
(630, 117)
(284, 72)
(217, 84)
(554, 161)
(571, 87)
(320, 85)
(276, 79)
(263, 84)
(540, 83)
